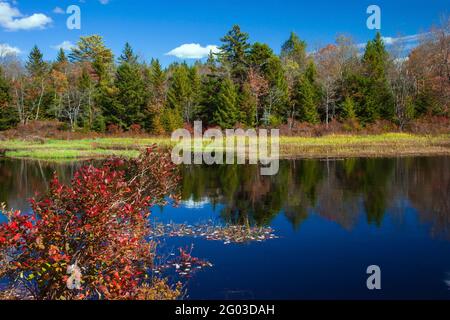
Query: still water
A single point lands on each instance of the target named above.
(333, 219)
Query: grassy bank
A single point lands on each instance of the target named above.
(393, 144)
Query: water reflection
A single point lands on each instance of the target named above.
(333, 219)
(339, 191)
(22, 179)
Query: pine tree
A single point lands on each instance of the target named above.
(196, 86)
(35, 64)
(61, 62)
(311, 76)
(61, 58)
(227, 113)
(37, 102)
(294, 51)
(259, 55)
(157, 98)
(211, 62)
(234, 53)
(304, 100)
(378, 98)
(128, 55)
(248, 105)
(348, 109)
(175, 111)
(8, 116)
(180, 91)
(92, 49)
(270, 66)
(131, 95)
(209, 87)
(157, 81)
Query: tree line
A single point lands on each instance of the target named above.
(242, 84)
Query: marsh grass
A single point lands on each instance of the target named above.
(391, 144)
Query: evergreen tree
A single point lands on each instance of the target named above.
(304, 100)
(128, 55)
(248, 105)
(157, 81)
(92, 49)
(156, 89)
(35, 64)
(8, 116)
(177, 97)
(131, 93)
(270, 66)
(180, 92)
(61, 62)
(61, 58)
(259, 55)
(196, 86)
(378, 98)
(311, 76)
(348, 109)
(209, 88)
(279, 89)
(234, 53)
(92, 52)
(294, 51)
(37, 96)
(227, 112)
(211, 62)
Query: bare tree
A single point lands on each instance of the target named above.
(259, 87)
(328, 72)
(401, 84)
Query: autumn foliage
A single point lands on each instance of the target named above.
(88, 240)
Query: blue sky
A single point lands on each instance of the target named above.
(155, 27)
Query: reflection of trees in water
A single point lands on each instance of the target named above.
(22, 179)
(338, 191)
(371, 179)
(429, 191)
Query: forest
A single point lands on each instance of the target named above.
(243, 84)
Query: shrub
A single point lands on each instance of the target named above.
(88, 240)
(114, 129)
(135, 129)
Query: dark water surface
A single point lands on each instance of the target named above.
(334, 219)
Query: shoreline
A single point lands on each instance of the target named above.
(331, 146)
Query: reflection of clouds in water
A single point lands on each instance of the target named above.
(192, 204)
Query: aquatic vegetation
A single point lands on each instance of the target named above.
(185, 264)
(228, 234)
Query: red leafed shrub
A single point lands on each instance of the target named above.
(89, 240)
(114, 129)
(136, 129)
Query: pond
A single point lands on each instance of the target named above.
(332, 219)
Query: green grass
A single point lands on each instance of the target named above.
(391, 144)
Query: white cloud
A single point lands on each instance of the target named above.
(58, 10)
(192, 51)
(12, 20)
(7, 50)
(65, 45)
(104, 1)
(406, 41)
